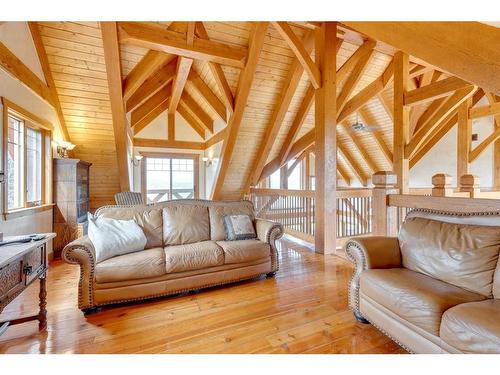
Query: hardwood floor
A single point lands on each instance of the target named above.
(302, 310)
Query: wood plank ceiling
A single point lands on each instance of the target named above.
(76, 58)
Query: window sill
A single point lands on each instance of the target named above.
(26, 211)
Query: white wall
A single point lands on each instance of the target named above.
(17, 38)
(442, 158)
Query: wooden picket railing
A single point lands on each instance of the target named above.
(295, 209)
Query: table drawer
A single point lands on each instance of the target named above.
(34, 263)
(12, 280)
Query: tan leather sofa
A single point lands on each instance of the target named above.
(185, 250)
(436, 287)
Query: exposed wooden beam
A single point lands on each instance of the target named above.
(16, 68)
(44, 62)
(485, 110)
(362, 97)
(149, 105)
(216, 138)
(298, 120)
(245, 82)
(472, 51)
(325, 124)
(352, 164)
(204, 119)
(167, 143)
(361, 149)
(291, 83)
(448, 107)
(464, 135)
(480, 148)
(418, 110)
(379, 139)
(348, 66)
(113, 70)
(151, 62)
(152, 84)
(192, 121)
(206, 92)
(150, 116)
(300, 52)
(435, 90)
(181, 76)
(388, 107)
(343, 173)
(171, 126)
(174, 42)
(218, 73)
(190, 33)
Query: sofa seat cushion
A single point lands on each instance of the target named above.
(244, 250)
(140, 265)
(414, 297)
(194, 256)
(473, 327)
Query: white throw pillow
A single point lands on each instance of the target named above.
(112, 237)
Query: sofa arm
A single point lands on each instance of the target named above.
(270, 231)
(82, 252)
(370, 253)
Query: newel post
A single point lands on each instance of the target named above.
(384, 216)
(469, 183)
(441, 185)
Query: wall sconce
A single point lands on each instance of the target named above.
(136, 160)
(209, 161)
(63, 147)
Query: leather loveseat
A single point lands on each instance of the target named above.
(185, 250)
(436, 287)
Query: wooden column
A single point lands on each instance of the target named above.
(401, 130)
(441, 185)
(464, 135)
(469, 183)
(171, 126)
(325, 140)
(385, 218)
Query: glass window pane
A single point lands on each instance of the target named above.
(15, 163)
(33, 166)
(295, 178)
(157, 179)
(182, 178)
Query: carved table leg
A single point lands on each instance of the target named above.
(42, 315)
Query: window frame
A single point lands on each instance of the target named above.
(169, 155)
(29, 121)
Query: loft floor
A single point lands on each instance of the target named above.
(303, 310)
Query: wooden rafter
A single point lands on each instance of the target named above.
(199, 113)
(480, 148)
(16, 68)
(472, 52)
(388, 107)
(448, 107)
(174, 42)
(361, 149)
(492, 109)
(419, 109)
(44, 62)
(192, 121)
(348, 66)
(208, 95)
(298, 120)
(216, 138)
(246, 78)
(181, 76)
(362, 97)
(434, 91)
(191, 27)
(149, 105)
(353, 80)
(167, 143)
(113, 70)
(292, 81)
(300, 51)
(343, 173)
(152, 84)
(352, 164)
(151, 62)
(378, 137)
(147, 119)
(217, 72)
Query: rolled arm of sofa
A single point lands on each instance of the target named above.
(82, 252)
(269, 231)
(370, 253)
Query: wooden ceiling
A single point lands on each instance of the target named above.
(202, 71)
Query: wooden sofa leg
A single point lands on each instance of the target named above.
(271, 274)
(360, 318)
(91, 310)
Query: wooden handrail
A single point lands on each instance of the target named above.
(342, 193)
(445, 204)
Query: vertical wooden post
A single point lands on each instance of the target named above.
(325, 139)
(385, 218)
(401, 131)
(464, 135)
(441, 185)
(469, 183)
(171, 126)
(284, 177)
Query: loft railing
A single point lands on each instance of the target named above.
(156, 195)
(295, 209)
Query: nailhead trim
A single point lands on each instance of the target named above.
(68, 258)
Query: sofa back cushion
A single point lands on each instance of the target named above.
(496, 282)
(185, 223)
(459, 254)
(217, 211)
(148, 217)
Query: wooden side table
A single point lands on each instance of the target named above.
(20, 265)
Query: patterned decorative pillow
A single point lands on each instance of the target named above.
(239, 227)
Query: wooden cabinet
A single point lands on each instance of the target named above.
(71, 197)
